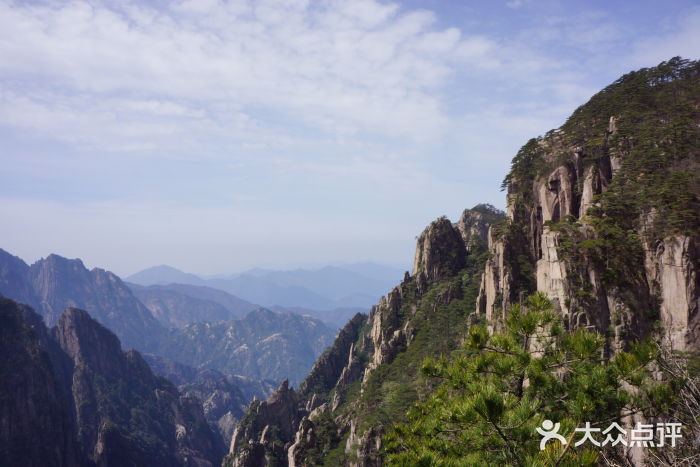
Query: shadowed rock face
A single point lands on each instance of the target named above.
(37, 424)
(72, 397)
(55, 283)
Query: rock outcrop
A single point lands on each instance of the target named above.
(225, 398)
(55, 283)
(37, 421)
(590, 224)
(71, 396)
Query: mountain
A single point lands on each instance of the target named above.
(163, 275)
(336, 317)
(335, 283)
(599, 252)
(176, 305)
(71, 396)
(370, 375)
(54, 283)
(224, 398)
(352, 286)
(263, 345)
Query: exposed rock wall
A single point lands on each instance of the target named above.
(71, 396)
(666, 278)
(55, 283)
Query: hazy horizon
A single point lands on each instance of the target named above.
(216, 137)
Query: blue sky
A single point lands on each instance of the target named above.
(218, 136)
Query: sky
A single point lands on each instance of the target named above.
(217, 136)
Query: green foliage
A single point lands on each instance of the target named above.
(499, 388)
(438, 321)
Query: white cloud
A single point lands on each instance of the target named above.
(358, 67)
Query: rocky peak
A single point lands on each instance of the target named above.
(440, 252)
(474, 224)
(89, 343)
(13, 279)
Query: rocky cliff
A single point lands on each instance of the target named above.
(55, 283)
(604, 217)
(369, 376)
(71, 396)
(37, 420)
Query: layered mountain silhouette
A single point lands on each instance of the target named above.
(176, 305)
(332, 287)
(199, 326)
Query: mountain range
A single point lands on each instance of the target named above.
(196, 325)
(356, 285)
(54, 283)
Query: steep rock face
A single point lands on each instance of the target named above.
(88, 344)
(252, 443)
(672, 271)
(55, 283)
(440, 252)
(335, 396)
(283, 412)
(607, 208)
(13, 279)
(37, 426)
(74, 398)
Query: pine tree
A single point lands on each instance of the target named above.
(499, 388)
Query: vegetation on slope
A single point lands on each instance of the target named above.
(499, 388)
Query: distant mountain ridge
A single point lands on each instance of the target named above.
(347, 286)
(176, 305)
(263, 345)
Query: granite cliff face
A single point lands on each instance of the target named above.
(340, 409)
(603, 214)
(37, 421)
(55, 283)
(71, 396)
